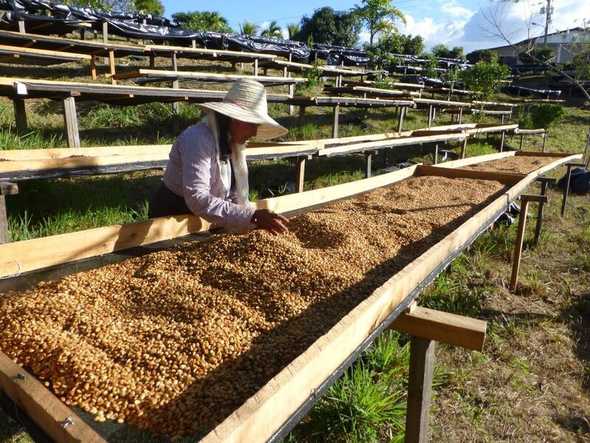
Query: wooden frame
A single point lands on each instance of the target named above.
(263, 415)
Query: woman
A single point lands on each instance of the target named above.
(207, 172)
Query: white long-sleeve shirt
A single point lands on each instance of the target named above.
(195, 172)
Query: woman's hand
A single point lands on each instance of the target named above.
(269, 221)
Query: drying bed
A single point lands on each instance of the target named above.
(520, 164)
(176, 340)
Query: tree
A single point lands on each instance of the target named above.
(485, 78)
(339, 28)
(442, 51)
(249, 28)
(202, 21)
(293, 29)
(154, 7)
(379, 16)
(413, 45)
(100, 5)
(382, 52)
(273, 30)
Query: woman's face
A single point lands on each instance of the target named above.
(242, 131)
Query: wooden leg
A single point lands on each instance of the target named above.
(176, 105)
(422, 359)
(174, 61)
(544, 142)
(255, 67)
(291, 95)
(464, 148)
(460, 115)
(93, 73)
(4, 233)
(502, 118)
(20, 115)
(112, 66)
(5, 189)
(502, 140)
(21, 27)
(300, 174)
(335, 123)
(566, 190)
(429, 116)
(194, 44)
(521, 141)
(400, 123)
(519, 243)
(71, 122)
(540, 210)
(436, 154)
(369, 170)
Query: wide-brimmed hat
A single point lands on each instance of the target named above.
(246, 101)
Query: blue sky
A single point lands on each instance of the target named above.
(453, 22)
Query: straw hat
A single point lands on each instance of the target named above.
(246, 101)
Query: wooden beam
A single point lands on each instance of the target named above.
(20, 114)
(422, 359)
(71, 122)
(430, 324)
(93, 72)
(113, 73)
(335, 121)
(300, 179)
(6, 188)
(518, 244)
(58, 421)
(475, 174)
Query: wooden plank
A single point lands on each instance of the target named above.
(206, 76)
(57, 420)
(502, 177)
(544, 154)
(32, 52)
(456, 330)
(4, 232)
(185, 51)
(28, 255)
(421, 370)
(71, 122)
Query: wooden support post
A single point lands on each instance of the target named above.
(544, 182)
(464, 148)
(436, 154)
(400, 123)
(5, 189)
(586, 157)
(524, 208)
(20, 115)
(301, 115)
(93, 72)
(502, 118)
(174, 61)
(152, 60)
(300, 180)
(71, 122)
(112, 66)
(419, 389)
(21, 27)
(105, 32)
(566, 189)
(429, 116)
(255, 67)
(194, 44)
(521, 141)
(460, 115)
(502, 140)
(336, 113)
(291, 95)
(544, 142)
(369, 170)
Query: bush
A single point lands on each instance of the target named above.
(541, 116)
(485, 78)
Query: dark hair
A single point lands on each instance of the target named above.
(223, 135)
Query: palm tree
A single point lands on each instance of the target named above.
(379, 16)
(273, 30)
(248, 28)
(293, 30)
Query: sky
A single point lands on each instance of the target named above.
(466, 23)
